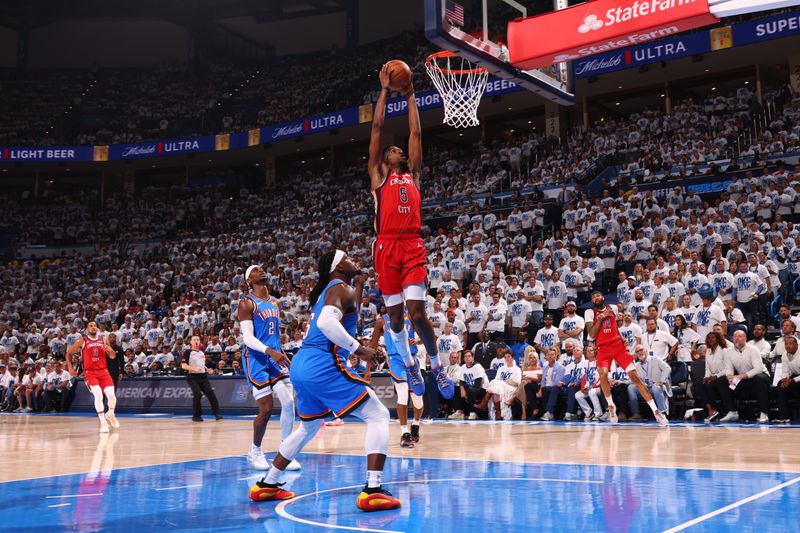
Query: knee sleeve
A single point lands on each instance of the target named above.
(402, 393)
(294, 443)
(417, 401)
(376, 417)
(285, 394)
(97, 392)
(112, 397)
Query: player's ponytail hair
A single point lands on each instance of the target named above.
(324, 266)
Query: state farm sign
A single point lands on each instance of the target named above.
(600, 26)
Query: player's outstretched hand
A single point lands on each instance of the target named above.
(384, 76)
(365, 353)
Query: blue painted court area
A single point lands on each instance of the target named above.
(437, 495)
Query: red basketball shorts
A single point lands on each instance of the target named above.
(613, 352)
(399, 262)
(101, 378)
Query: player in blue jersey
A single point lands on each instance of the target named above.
(266, 367)
(325, 387)
(397, 369)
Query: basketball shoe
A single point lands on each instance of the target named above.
(415, 433)
(443, 382)
(263, 492)
(415, 381)
(112, 420)
(376, 499)
(612, 414)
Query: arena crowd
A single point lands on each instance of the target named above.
(697, 282)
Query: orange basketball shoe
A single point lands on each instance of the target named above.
(262, 492)
(376, 499)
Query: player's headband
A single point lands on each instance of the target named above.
(249, 271)
(337, 258)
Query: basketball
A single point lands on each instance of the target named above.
(399, 75)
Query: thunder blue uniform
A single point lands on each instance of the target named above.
(397, 367)
(321, 379)
(261, 370)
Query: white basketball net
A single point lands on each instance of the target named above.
(461, 85)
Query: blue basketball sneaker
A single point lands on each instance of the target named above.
(443, 382)
(414, 378)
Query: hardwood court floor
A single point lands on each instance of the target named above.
(37, 446)
(170, 474)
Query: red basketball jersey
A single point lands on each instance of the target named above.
(608, 332)
(94, 354)
(398, 206)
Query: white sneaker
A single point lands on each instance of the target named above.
(601, 418)
(18, 410)
(763, 418)
(661, 418)
(458, 414)
(112, 420)
(473, 416)
(547, 417)
(569, 416)
(28, 410)
(294, 465)
(103, 428)
(257, 461)
(732, 416)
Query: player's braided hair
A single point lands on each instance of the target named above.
(324, 266)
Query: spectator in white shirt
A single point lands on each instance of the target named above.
(789, 382)
(449, 343)
(657, 343)
(475, 318)
(57, 388)
(472, 386)
(502, 389)
(570, 330)
(746, 373)
(496, 313)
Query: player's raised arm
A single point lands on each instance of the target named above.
(414, 136)
(375, 163)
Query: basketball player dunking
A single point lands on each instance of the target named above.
(611, 347)
(399, 253)
(94, 350)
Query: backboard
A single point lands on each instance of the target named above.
(455, 25)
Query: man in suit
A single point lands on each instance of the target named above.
(553, 383)
(655, 373)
